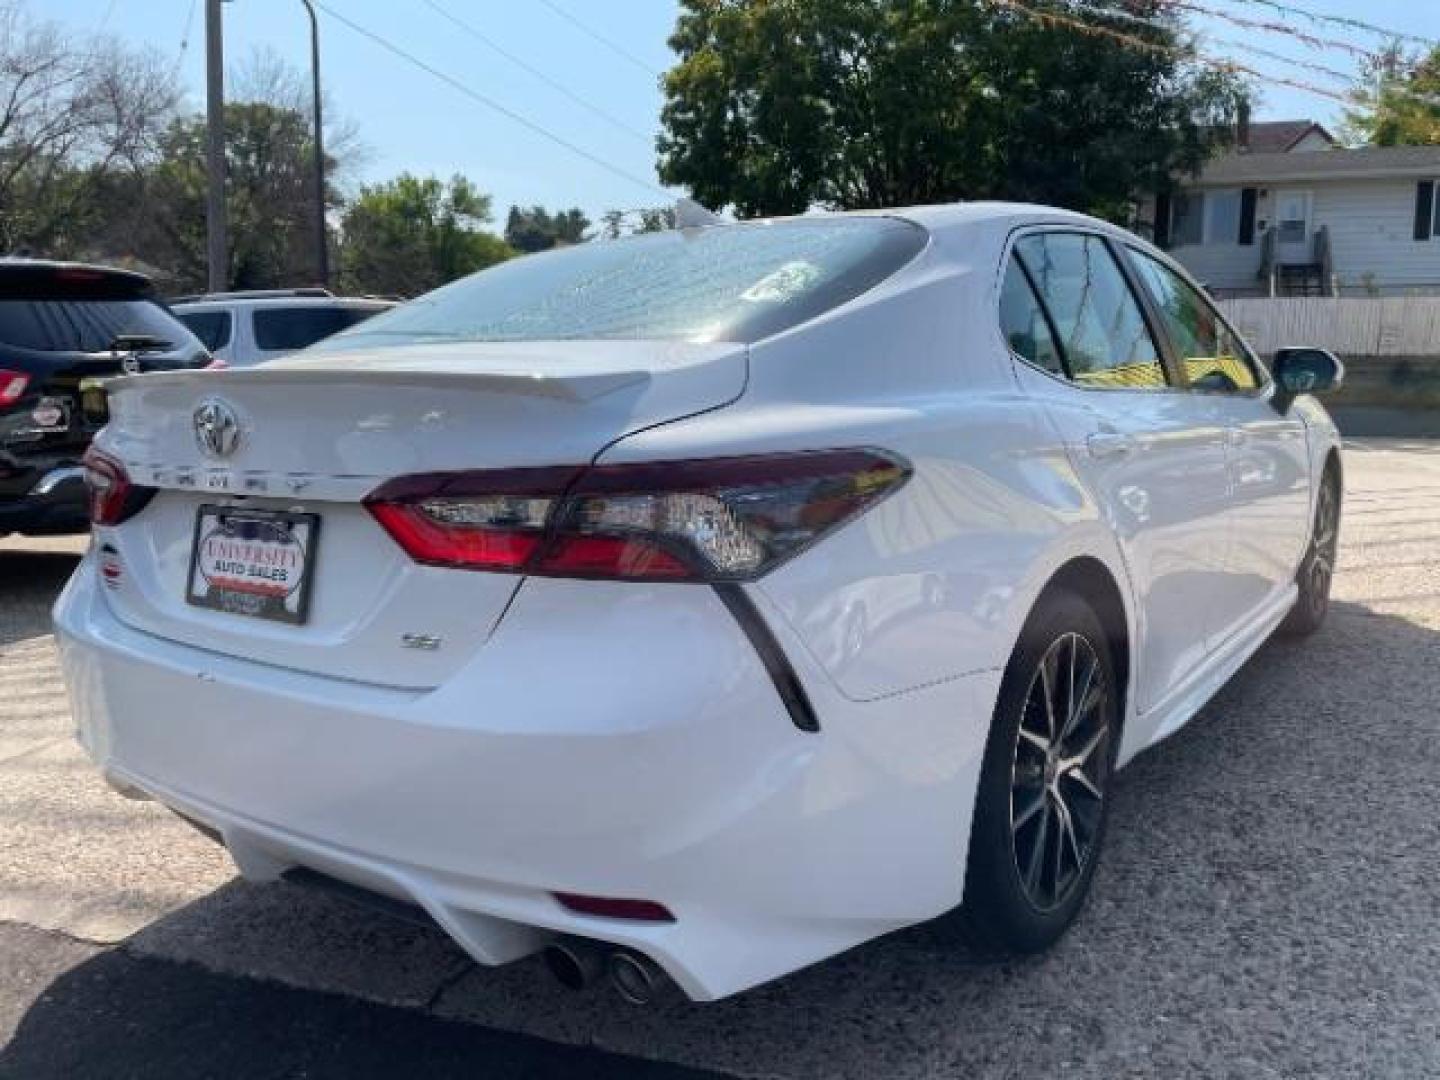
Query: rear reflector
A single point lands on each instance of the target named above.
(615, 907)
(715, 519)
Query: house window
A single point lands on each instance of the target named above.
(1292, 230)
(1205, 217)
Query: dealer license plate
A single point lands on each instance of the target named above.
(253, 562)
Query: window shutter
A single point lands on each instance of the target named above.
(1247, 215)
(1162, 220)
(1424, 208)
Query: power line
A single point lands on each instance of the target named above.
(185, 36)
(488, 102)
(1305, 65)
(1341, 20)
(612, 45)
(1230, 66)
(539, 74)
(1352, 82)
(1429, 100)
(1314, 41)
(1243, 46)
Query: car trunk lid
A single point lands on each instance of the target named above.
(317, 433)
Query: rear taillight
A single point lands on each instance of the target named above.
(714, 519)
(12, 386)
(113, 498)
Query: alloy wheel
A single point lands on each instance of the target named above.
(1060, 771)
(1322, 556)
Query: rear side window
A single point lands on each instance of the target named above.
(211, 327)
(88, 326)
(1027, 331)
(1214, 358)
(1103, 337)
(297, 328)
(728, 283)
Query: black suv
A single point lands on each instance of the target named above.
(64, 329)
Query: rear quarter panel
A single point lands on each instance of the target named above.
(936, 581)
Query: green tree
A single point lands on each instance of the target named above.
(536, 229)
(412, 234)
(1398, 101)
(269, 201)
(776, 107)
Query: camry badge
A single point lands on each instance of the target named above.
(217, 428)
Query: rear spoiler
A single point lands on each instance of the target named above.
(579, 387)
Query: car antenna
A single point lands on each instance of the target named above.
(689, 214)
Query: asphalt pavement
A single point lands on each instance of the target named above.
(1267, 905)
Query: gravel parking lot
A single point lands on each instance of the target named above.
(1266, 908)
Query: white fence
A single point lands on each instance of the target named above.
(1350, 326)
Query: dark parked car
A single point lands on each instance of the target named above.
(64, 329)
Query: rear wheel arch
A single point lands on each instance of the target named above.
(1333, 466)
(1092, 581)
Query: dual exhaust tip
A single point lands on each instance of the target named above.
(577, 963)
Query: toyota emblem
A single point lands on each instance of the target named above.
(217, 428)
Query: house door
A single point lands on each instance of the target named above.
(1293, 212)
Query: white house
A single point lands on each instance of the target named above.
(1291, 213)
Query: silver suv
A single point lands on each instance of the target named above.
(243, 328)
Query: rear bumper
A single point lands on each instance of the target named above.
(643, 752)
(54, 505)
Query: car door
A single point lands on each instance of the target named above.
(1154, 463)
(1266, 452)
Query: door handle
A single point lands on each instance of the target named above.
(1108, 444)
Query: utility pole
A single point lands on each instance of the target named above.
(217, 249)
(322, 246)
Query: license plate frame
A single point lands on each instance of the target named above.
(267, 536)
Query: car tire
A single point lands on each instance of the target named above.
(1317, 569)
(1043, 801)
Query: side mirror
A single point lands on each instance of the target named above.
(1304, 370)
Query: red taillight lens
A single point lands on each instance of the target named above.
(432, 532)
(717, 519)
(12, 386)
(474, 521)
(113, 498)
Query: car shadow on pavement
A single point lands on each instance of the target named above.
(29, 583)
(1265, 907)
(117, 1015)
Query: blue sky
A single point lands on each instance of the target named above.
(411, 120)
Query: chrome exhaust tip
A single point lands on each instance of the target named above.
(574, 963)
(636, 978)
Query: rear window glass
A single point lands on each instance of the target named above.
(86, 325)
(728, 283)
(211, 327)
(300, 327)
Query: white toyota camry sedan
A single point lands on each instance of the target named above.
(696, 606)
